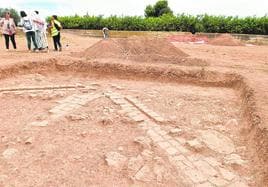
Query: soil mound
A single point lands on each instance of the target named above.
(225, 40)
(136, 49)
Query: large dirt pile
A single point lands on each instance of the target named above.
(225, 40)
(137, 49)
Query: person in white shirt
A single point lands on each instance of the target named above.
(40, 31)
(9, 30)
(28, 28)
(105, 32)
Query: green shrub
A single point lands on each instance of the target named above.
(167, 22)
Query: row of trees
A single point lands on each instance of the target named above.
(168, 22)
(160, 17)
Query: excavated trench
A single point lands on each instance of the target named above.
(193, 106)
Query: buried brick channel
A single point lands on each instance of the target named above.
(152, 126)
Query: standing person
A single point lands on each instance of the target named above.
(28, 28)
(8, 30)
(55, 27)
(40, 31)
(105, 32)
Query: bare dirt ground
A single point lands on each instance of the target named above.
(82, 120)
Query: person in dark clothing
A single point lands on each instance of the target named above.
(192, 29)
(12, 39)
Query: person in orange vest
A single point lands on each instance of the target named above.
(55, 28)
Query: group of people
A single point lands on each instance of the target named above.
(35, 29)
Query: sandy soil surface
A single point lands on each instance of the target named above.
(70, 43)
(250, 61)
(65, 126)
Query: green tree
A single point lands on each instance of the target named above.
(149, 11)
(13, 12)
(167, 22)
(160, 8)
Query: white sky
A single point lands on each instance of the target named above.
(136, 7)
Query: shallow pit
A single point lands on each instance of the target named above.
(59, 129)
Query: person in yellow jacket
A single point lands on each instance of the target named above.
(55, 27)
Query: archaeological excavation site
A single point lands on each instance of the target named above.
(137, 111)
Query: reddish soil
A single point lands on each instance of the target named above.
(188, 38)
(225, 40)
(140, 49)
(216, 114)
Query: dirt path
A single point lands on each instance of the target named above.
(71, 43)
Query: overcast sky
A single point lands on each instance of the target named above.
(136, 7)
